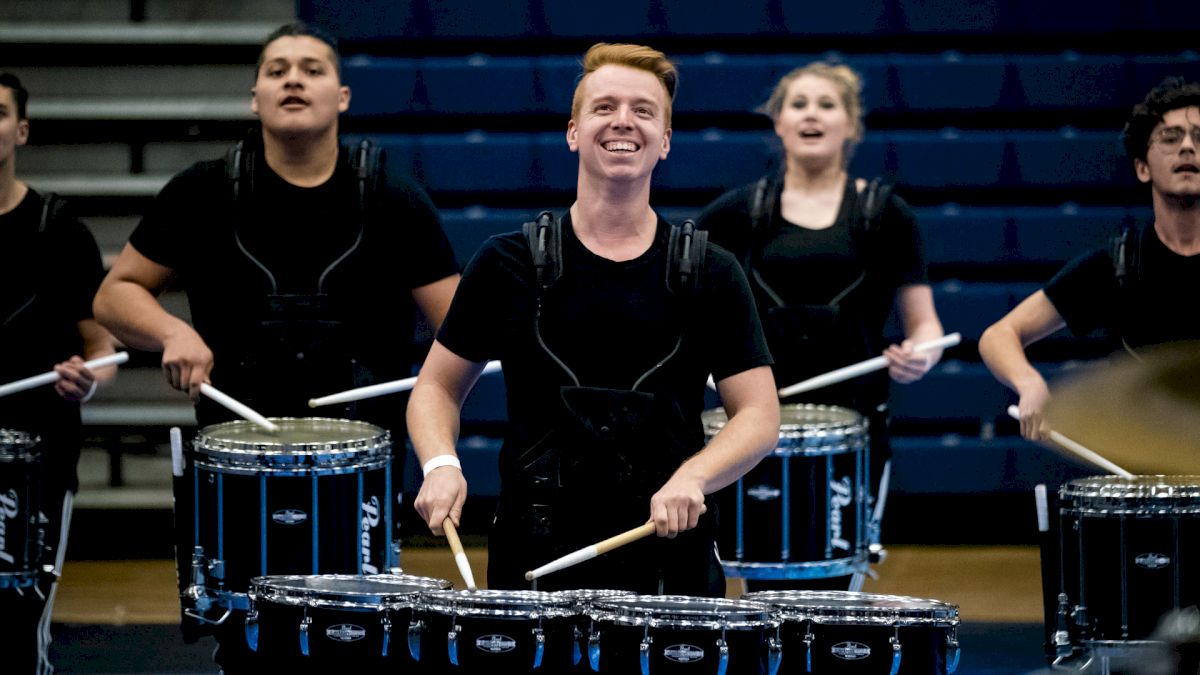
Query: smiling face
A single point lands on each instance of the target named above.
(13, 131)
(297, 90)
(620, 130)
(813, 122)
(1172, 166)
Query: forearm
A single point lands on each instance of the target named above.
(1004, 355)
(134, 315)
(433, 421)
(748, 436)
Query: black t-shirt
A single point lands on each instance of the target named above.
(609, 322)
(287, 240)
(1161, 305)
(797, 267)
(47, 284)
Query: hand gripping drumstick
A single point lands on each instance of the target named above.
(1076, 449)
(238, 407)
(589, 552)
(381, 389)
(460, 557)
(52, 376)
(862, 367)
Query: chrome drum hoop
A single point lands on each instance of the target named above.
(1145, 495)
(343, 591)
(16, 445)
(807, 429)
(303, 446)
(684, 612)
(497, 603)
(848, 607)
(821, 569)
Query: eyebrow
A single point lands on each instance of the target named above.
(615, 97)
(303, 60)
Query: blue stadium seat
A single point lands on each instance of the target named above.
(554, 84)
(951, 82)
(953, 390)
(969, 308)
(955, 235)
(720, 83)
(1071, 81)
(1070, 158)
(1149, 71)
(399, 152)
(703, 160)
(950, 16)
(479, 85)
(871, 157)
(719, 17)
(486, 403)
(357, 20)
(381, 87)
(865, 17)
(949, 158)
(477, 161)
(468, 228)
(613, 19)
(1055, 235)
(471, 18)
(953, 464)
(1068, 17)
(1163, 16)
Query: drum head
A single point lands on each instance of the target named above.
(498, 603)
(806, 429)
(16, 444)
(857, 608)
(681, 611)
(375, 591)
(1137, 494)
(309, 444)
(584, 596)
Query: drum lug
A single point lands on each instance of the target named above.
(387, 634)
(216, 569)
(539, 641)
(414, 640)
(452, 644)
(808, 650)
(723, 658)
(594, 650)
(774, 655)
(304, 632)
(576, 653)
(644, 654)
(896, 654)
(876, 553)
(1062, 634)
(953, 653)
(252, 630)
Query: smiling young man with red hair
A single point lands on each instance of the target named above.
(602, 332)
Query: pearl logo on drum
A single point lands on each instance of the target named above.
(345, 632)
(850, 651)
(683, 653)
(370, 521)
(495, 644)
(8, 509)
(1152, 561)
(841, 495)
(289, 516)
(764, 493)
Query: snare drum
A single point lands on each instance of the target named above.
(316, 498)
(22, 532)
(583, 599)
(492, 631)
(863, 633)
(662, 634)
(321, 622)
(1125, 558)
(801, 513)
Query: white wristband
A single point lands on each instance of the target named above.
(440, 461)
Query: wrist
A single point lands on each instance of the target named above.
(91, 392)
(439, 461)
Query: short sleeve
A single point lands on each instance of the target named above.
(485, 304)
(1083, 292)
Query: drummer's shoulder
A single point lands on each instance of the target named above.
(205, 173)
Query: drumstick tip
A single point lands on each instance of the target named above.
(529, 576)
(312, 402)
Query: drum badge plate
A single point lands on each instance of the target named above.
(495, 644)
(345, 632)
(683, 653)
(1152, 561)
(764, 493)
(289, 516)
(850, 651)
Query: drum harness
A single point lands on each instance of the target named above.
(52, 208)
(1125, 248)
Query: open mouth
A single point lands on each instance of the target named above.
(1187, 168)
(621, 146)
(811, 133)
(293, 101)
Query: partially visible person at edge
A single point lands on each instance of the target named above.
(51, 272)
(1133, 289)
(828, 255)
(605, 368)
(298, 287)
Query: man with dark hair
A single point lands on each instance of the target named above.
(51, 271)
(1138, 289)
(601, 323)
(304, 262)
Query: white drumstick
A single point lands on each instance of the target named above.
(238, 407)
(588, 552)
(51, 377)
(176, 452)
(862, 367)
(1075, 448)
(381, 389)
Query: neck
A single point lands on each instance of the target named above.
(304, 161)
(814, 176)
(1177, 223)
(12, 191)
(614, 223)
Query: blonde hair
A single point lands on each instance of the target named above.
(847, 81)
(637, 57)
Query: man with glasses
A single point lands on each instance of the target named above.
(1138, 290)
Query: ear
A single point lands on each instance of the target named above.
(1142, 170)
(22, 132)
(254, 101)
(343, 98)
(666, 145)
(572, 136)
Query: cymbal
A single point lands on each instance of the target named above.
(1143, 413)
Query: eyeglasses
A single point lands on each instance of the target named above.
(1170, 138)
